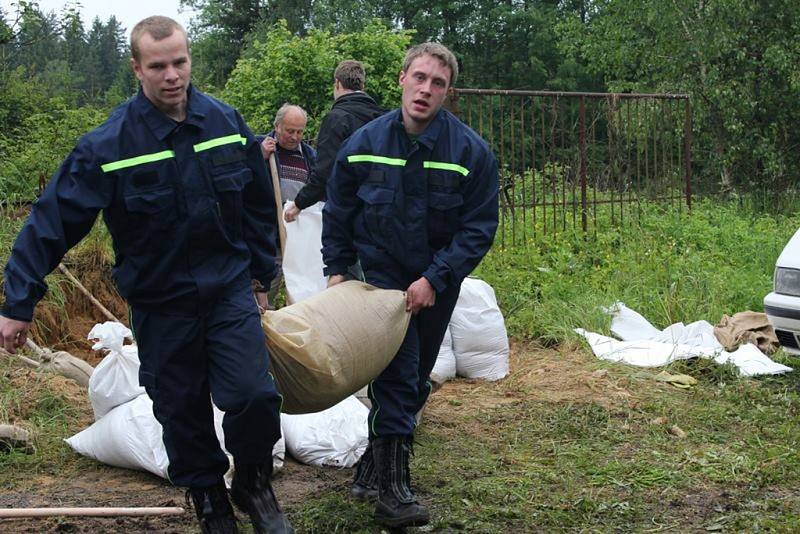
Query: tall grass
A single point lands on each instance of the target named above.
(667, 265)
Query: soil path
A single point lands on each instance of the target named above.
(536, 373)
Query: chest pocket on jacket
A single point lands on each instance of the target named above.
(229, 188)
(151, 217)
(443, 216)
(378, 212)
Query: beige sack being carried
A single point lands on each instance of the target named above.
(332, 344)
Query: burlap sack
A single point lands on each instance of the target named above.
(747, 327)
(332, 344)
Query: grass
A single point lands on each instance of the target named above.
(43, 406)
(606, 463)
(670, 267)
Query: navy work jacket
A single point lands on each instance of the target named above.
(188, 205)
(409, 209)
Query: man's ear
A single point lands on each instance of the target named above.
(137, 69)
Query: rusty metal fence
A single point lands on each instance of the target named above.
(581, 161)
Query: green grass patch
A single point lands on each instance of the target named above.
(670, 266)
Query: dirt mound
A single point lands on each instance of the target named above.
(34, 387)
(64, 325)
(542, 374)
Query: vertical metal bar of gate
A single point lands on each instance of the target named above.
(583, 163)
(687, 151)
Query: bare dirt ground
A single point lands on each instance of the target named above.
(536, 373)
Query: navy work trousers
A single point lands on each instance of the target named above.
(401, 390)
(192, 353)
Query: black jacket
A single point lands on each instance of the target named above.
(349, 113)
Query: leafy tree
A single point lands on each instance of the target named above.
(280, 67)
(218, 34)
(739, 61)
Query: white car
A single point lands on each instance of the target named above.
(782, 306)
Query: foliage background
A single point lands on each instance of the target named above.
(280, 67)
(738, 60)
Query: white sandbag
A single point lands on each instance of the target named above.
(480, 341)
(445, 367)
(336, 437)
(334, 343)
(278, 451)
(115, 380)
(128, 436)
(302, 257)
(645, 346)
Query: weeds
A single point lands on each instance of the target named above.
(604, 463)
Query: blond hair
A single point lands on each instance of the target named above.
(439, 51)
(158, 27)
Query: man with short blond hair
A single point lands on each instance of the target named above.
(413, 197)
(185, 195)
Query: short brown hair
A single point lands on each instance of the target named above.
(158, 27)
(439, 51)
(350, 73)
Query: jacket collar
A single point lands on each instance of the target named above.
(428, 137)
(355, 95)
(160, 124)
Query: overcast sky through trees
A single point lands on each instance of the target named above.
(127, 13)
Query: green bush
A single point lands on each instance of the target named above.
(39, 146)
(280, 67)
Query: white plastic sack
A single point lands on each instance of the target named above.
(645, 346)
(278, 451)
(115, 380)
(480, 341)
(127, 436)
(302, 260)
(336, 437)
(445, 366)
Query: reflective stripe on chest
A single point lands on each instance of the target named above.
(167, 154)
(398, 162)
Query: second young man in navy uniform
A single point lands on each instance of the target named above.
(413, 196)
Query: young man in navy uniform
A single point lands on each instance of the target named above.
(183, 190)
(413, 196)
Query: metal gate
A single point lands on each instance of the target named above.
(572, 161)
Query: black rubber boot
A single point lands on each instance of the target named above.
(397, 505)
(213, 509)
(365, 483)
(252, 493)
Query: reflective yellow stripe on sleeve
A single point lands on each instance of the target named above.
(138, 160)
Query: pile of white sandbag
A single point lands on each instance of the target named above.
(125, 432)
(476, 342)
